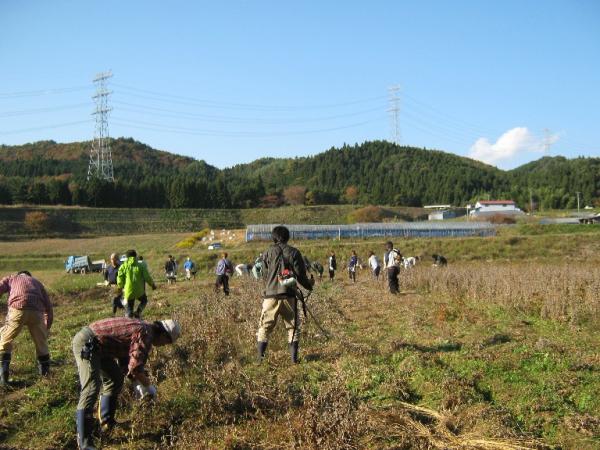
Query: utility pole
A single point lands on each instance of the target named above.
(530, 201)
(101, 165)
(394, 111)
(578, 193)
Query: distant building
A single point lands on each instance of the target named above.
(446, 214)
(491, 207)
(590, 219)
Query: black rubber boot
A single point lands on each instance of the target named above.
(294, 351)
(261, 347)
(85, 426)
(107, 410)
(44, 365)
(4, 368)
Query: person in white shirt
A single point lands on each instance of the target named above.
(332, 266)
(391, 262)
(374, 264)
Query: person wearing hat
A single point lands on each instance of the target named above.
(28, 305)
(105, 351)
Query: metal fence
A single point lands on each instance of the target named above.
(367, 230)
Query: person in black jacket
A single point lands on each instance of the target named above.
(284, 269)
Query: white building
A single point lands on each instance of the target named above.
(491, 207)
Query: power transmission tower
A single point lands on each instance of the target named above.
(101, 165)
(394, 110)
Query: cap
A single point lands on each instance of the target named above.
(172, 328)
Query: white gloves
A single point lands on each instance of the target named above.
(145, 392)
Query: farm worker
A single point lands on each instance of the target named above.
(374, 264)
(110, 278)
(223, 270)
(391, 262)
(171, 269)
(190, 268)
(242, 270)
(285, 269)
(132, 279)
(28, 304)
(332, 266)
(257, 268)
(352, 266)
(317, 267)
(105, 351)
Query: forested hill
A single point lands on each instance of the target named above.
(376, 172)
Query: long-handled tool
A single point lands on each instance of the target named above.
(306, 309)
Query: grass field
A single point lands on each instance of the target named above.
(497, 351)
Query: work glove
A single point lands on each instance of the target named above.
(145, 392)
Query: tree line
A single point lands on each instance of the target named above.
(376, 172)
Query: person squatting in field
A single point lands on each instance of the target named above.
(391, 262)
(28, 305)
(352, 266)
(106, 351)
(132, 279)
(223, 270)
(284, 267)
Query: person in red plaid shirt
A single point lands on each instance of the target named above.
(28, 305)
(106, 351)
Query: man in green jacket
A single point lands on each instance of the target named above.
(132, 279)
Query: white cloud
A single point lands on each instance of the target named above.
(511, 144)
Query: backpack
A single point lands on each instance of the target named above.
(286, 278)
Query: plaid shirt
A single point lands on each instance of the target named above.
(25, 292)
(121, 337)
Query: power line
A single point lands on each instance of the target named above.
(26, 112)
(60, 125)
(38, 93)
(394, 110)
(153, 95)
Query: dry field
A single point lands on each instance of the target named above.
(480, 355)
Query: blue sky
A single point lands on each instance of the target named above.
(229, 82)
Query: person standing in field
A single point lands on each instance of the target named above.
(391, 262)
(110, 277)
(374, 265)
(171, 270)
(285, 269)
(332, 266)
(106, 351)
(28, 305)
(223, 270)
(132, 279)
(190, 268)
(352, 266)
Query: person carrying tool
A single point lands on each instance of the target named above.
(28, 305)
(223, 270)
(284, 267)
(132, 279)
(391, 262)
(105, 351)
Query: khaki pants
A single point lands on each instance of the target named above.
(272, 308)
(15, 320)
(95, 374)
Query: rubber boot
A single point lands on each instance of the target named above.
(85, 426)
(261, 347)
(107, 408)
(4, 368)
(294, 352)
(44, 365)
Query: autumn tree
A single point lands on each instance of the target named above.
(294, 195)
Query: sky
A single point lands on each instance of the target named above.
(228, 82)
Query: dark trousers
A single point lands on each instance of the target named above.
(376, 272)
(222, 280)
(352, 274)
(331, 274)
(131, 303)
(393, 282)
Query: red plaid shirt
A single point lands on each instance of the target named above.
(121, 337)
(25, 292)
